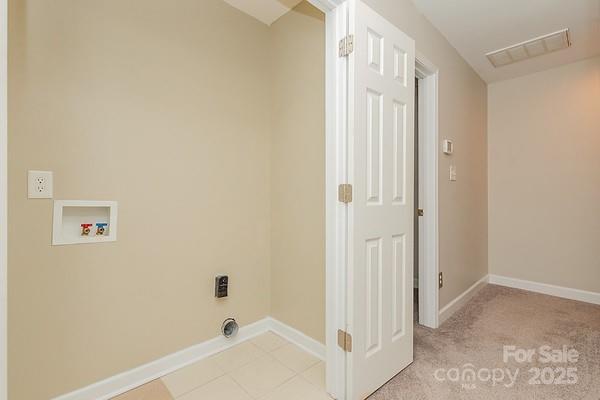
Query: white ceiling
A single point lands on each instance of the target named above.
(475, 27)
(266, 11)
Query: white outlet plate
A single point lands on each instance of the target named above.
(39, 185)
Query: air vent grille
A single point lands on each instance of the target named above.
(530, 48)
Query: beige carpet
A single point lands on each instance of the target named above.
(498, 317)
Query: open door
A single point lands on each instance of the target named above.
(381, 74)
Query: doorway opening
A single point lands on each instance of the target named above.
(418, 210)
(426, 193)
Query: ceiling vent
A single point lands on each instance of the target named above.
(530, 48)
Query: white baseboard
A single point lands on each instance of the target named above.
(461, 300)
(133, 378)
(301, 340)
(544, 288)
(118, 384)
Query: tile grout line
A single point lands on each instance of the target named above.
(262, 353)
(194, 388)
(270, 352)
(224, 373)
(276, 387)
(309, 382)
(239, 385)
(228, 374)
(296, 374)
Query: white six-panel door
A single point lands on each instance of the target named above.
(380, 261)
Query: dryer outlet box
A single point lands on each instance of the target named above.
(221, 286)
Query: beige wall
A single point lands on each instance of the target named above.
(167, 110)
(298, 171)
(463, 118)
(544, 174)
(132, 102)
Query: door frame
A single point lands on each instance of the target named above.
(336, 148)
(428, 75)
(336, 25)
(3, 197)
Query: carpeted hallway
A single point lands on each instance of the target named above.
(474, 339)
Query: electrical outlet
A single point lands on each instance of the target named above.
(441, 280)
(39, 184)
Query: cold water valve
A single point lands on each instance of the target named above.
(100, 228)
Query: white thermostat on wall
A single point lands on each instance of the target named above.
(448, 147)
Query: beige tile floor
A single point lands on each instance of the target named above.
(266, 367)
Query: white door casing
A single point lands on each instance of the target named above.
(428, 182)
(380, 228)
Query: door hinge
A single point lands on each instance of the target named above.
(420, 212)
(345, 341)
(346, 45)
(345, 193)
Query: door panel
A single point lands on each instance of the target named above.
(380, 164)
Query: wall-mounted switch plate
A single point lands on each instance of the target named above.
(39, 185)
(452, 173)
